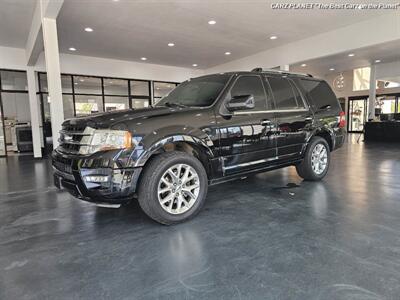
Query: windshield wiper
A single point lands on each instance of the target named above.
(172, 104)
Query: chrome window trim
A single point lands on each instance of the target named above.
(270, 111)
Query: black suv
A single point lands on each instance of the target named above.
(208, 130)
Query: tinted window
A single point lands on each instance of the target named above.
(319, 93)
(201, 91)
(285, 93)
(250, 85)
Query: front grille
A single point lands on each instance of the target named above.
(72, 137)
(63, 165)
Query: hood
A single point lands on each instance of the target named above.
(108, 119)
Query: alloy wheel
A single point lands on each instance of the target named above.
(178, 189)
(319, 159)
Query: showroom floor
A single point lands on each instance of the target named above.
(270, 236)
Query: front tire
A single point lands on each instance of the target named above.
(316, 160)
(173, 188)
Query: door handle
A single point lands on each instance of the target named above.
(266, 122)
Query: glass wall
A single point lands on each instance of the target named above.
(162, 89)
(85, 95)
(14, 108)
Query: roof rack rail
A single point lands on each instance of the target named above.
(279, 72)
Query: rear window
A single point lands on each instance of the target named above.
(285, 93)
(320, 94)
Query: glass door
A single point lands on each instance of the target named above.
(358, 112)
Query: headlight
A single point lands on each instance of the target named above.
(104, 139)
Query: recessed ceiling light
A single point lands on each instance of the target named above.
(212, 22)
(75, 83)
(274, 37)
(143, 58)
(194, 65)
(171, 44)
(72, 49)
(227, 53)
(331, 69)
(351, 54)
(81, 80)
(88, 29)
(303, 65)
(377, 60)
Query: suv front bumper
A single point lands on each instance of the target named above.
(71, 173)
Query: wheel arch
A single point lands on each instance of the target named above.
(326, 134)
(183, 143)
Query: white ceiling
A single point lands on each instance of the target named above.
(130, 29)
(15, 22)
(386, 53)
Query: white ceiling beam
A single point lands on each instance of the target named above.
(34, 45)
(375, 31)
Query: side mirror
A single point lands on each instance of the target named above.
(241, 102)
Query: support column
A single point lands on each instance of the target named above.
(372, 93)
(53, 76)
(284, 68)
(34, 110)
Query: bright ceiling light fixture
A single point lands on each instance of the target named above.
(88, 29)
(377, 60)
(143, 58)
(351, 54)
(72, 49)
(303, 65)
(212, 22)
(227, 53)
(194, 65)
(273, 37)
(332, 69)
(171, 44)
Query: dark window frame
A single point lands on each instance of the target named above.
(266, 94)
(11, 91)
(294, 88)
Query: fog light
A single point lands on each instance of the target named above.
(96, 178)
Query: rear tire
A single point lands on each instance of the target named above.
(173, 187)
(316, 160)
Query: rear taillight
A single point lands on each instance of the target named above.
(342, 119)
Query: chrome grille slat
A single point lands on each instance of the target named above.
(72, 142)
(74, 133)
(72, 137)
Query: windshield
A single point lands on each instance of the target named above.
(201, 91)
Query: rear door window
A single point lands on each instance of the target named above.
(320, 94)
(250, 85)
(285, 93)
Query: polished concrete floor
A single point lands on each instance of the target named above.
(270, 236)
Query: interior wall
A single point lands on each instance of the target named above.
(12, 58)
(86, 65)
(383, 71)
